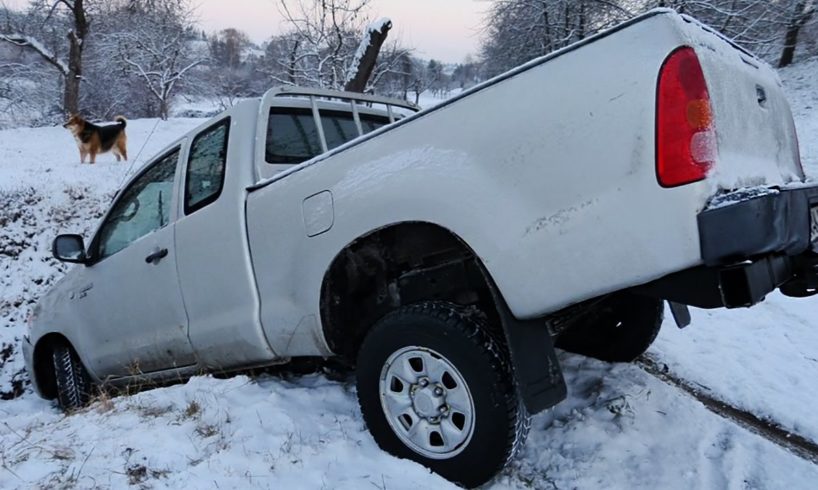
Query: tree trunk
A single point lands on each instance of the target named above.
(799, 19)
(76, 43)
(371, 45)
(581, 28)
(406, 77)
(292, 62)
(164, 105)
(71, 95)
(546, 31)
(70, 71)
(566, 27)
(790, 41)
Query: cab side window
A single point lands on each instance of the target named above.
(206, 166)
(371, 123)
(292, 136)
(339, 128)
(143, 207)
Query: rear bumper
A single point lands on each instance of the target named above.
(773, 223)
(751, 244)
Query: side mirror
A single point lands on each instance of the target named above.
(69, 248)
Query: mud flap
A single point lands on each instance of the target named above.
(538, 371)
(681, 314)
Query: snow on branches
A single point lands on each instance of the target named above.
(30, 42)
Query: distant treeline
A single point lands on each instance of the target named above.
(136, 57)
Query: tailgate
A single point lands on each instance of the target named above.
(757, 144)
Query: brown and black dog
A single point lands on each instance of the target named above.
(93, 140)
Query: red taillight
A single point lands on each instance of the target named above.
(685, 135)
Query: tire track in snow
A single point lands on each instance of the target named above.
(792, 442)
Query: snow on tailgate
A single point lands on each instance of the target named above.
(756, 139)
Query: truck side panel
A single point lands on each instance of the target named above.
(548, 176)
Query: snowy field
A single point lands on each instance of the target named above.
(620, 427)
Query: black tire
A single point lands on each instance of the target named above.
(619, 330)
(74, 385)
(500, 422)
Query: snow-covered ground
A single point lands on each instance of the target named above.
(619, 428)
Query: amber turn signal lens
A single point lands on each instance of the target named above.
(698, 114)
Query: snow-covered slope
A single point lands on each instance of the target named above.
(619, 428)
(801, 83)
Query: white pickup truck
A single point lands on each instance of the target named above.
(443, 254)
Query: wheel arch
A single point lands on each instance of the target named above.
(397, 264)
(44, 375)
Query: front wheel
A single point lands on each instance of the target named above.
(74, 385)
(434, 386)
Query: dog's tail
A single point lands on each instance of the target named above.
(121, 120)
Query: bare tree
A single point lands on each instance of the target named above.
(227, 47)
(801, 13)
(520, 30)
(390, 67)
(70, 66)
(26, 89)
(769, 28)
(467, 73)
(231, 66)
(420, 79)
(517, 31)
(281, 59)
(325, 30)
(156, 49)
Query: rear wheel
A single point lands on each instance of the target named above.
(618, 330)
(74, 385)
(435, 386)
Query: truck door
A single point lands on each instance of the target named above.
(136, 314)
(215, 270)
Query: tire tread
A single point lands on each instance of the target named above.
(474, 326)
(73, 383)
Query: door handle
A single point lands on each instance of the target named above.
(156, 256)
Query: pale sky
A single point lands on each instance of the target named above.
(446, 30)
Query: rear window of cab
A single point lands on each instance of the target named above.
(293, 137)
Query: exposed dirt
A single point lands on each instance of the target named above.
(765, 428)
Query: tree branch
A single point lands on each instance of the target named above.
(38, 47)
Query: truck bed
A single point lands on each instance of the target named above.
(547, 173)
